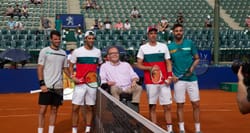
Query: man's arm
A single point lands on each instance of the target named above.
(195, 63)
(141, 66)
(243, 103)
(40, 78)
(40, 72)
(67, 72)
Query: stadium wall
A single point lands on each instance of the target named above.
(24, 80)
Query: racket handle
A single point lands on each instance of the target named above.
(35, 91)
(180, 76)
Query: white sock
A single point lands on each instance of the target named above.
(40, 130)
(51, 129)
(181, 126)
(87, 129)
(197, 127)
(169, 127)
(74, 129)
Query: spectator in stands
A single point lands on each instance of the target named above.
(247, 21)
(180, 18)
(19, 25)
(9, 11)
(95, 5)
(208, 22)
(96, 25)
(163, 25)
(58, 23)
(79, 34)
(11, 24)
(162, 29)
(25, 12)
(46, 24)
(127, 25)
(118, 25)
(36, 2)
(135, 13)
(107, 24)
(17, 12)
(100, 24)
(88, 5)
(78, 30)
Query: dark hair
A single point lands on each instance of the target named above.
(54, 32)
(71, 50)
(177, 25)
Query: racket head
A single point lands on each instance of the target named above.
(92, 79)
(202, 67)
(156, 76)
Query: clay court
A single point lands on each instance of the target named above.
(219, 114)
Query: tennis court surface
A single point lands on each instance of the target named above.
(219, 114)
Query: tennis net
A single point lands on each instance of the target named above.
(112, 116)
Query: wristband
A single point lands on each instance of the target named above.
(170, 74)
(41, 82)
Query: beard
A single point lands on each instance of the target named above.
(90, 45)
(178, 37)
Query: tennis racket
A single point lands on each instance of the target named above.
(92, 79)
(66, 91)
(156, 75)
(200, 69)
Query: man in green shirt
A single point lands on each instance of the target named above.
(184, 57)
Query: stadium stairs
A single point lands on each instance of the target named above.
(234, 25)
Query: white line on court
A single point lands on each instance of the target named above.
(29, 115)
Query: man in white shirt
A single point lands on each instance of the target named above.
(127, 25)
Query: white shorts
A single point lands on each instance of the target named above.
(84, 95)
(161, 91)
(180, 89)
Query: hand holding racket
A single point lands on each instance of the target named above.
(156, 74)
(92, 79)
(200, 69)
(44, 88)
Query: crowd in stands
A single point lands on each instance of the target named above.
(107, 25)
(16, 10)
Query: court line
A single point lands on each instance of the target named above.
(190, 110)
(29, 115)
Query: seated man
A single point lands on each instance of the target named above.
(9, 11)
(120, 76)
(135, 13)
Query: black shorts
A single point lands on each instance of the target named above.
(54, 98)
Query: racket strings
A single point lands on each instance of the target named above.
(92, 79)
(156, 75)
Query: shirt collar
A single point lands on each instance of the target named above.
(115, 64)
